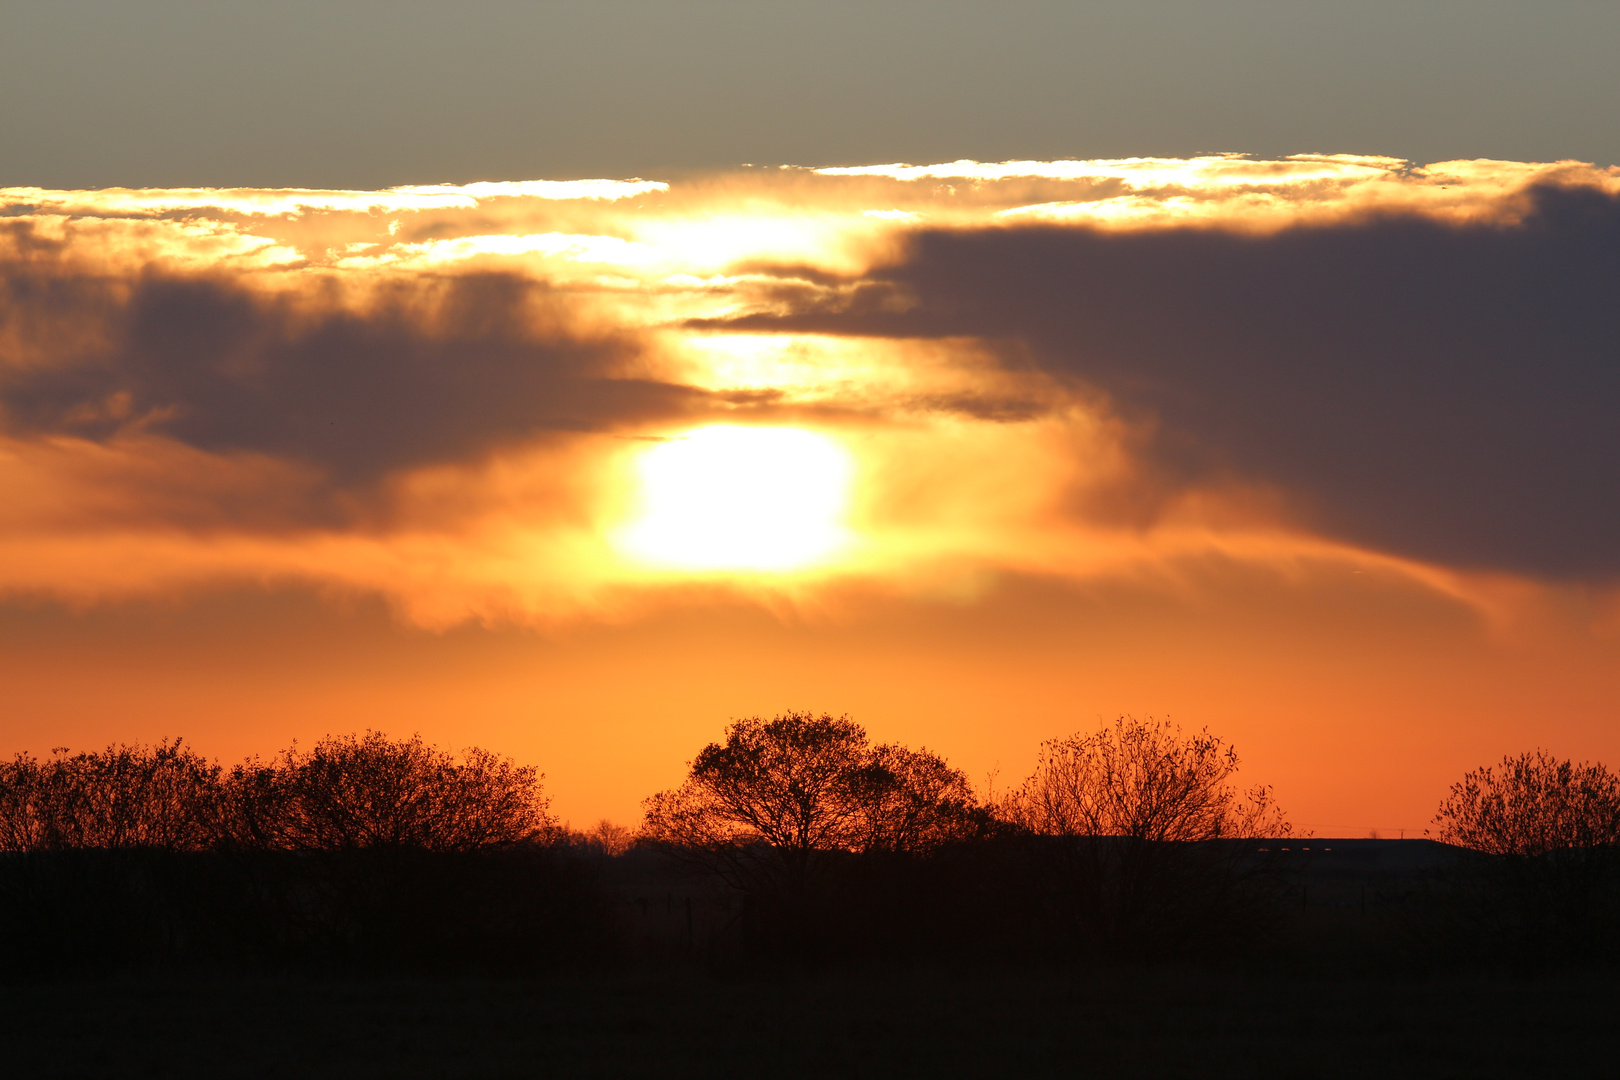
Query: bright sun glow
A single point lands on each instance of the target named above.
(745, 498)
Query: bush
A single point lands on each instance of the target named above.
(363, 854)
(1534, 806)
(350, 792)
(1539, 883)
(164, 797)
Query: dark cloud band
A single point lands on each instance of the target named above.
(434, 371)
(1450, 393)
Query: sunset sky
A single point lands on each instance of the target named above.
(980, 378)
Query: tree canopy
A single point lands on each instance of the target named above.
(1145, 780)
(778, 794)
(363, 792)
(1530, 805)
(346, 792)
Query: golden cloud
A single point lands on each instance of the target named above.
(444, 394)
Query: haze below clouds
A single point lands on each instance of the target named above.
(372, 93)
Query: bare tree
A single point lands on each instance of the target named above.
(1144, 780)
(1534, 805)
(1149, 824)
(606, 838)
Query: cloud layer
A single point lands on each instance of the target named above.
(1072, 368)
(1443, 391)
(423, 372)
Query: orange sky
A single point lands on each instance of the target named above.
(1301, 450)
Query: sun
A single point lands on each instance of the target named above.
(729, 497)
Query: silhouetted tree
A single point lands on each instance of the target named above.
(770, 804)
(1145, 781)
(1150, 822)
(1540, 883)
(914, 802)
(98, 867)
(1533, 806)
(164, 797)
(345, 793)
(350, 792)
(605, 838)
(362, 852)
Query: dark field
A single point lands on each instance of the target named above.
(1143, 1024)
(1359, 961)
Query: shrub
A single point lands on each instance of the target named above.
(350, 792)
(347, 792)
(363, 853)
(1533, 806)
(1539, 884)
(164, 796)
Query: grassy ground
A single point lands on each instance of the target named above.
(1160, 1024)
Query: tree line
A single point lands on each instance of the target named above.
(344, 793)
(792, 839)
(796, 786)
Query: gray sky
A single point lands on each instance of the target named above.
(368, 93)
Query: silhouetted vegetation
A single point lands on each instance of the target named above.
(1130, 842)
(778, 797)
(1153, 847)
(1536, 883)
(1536, 805)
(793, 841)
(788, 813)
(162, 798)
(353, 793)
(363, 853)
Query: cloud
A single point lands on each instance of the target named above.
(1070, 369)
(1443, 391)
(296, 201)
(425, 371)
